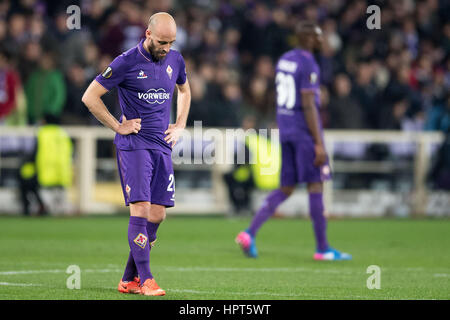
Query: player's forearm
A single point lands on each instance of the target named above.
(183, 106)
(312, 121)
(100, 112)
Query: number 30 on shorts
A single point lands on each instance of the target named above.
(171, 186)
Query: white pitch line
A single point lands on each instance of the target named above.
(298, 295)
(203, 269)
(240, 293)
(9, 273)
(442, 275)
(185, 269)
(227, 269)
(19, 284)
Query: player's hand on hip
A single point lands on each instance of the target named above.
(173, 134)
(129, 126)
(321, 155)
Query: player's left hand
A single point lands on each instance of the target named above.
(173, 134)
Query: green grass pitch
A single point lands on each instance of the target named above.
(196, 258)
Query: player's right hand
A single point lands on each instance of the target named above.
(321, 155)
(129, 126)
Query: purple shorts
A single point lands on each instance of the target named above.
(146, 175)
(297, 164)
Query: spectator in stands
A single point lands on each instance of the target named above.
(17, 34)
(199, 103)
(439, 173)
(365, 92)
(397, 96)
(28, 62)
(438, 118)
(70, 43)
(260, 98)
(345, 111)
(12, 103)
(29, 185)
(48, 166)
(45, 90)
(393, 114)
(75, 113)
(231, 105)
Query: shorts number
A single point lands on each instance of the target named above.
(285, 90)
(171, 186)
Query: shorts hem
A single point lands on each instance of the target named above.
(127, 203)
(163, 203)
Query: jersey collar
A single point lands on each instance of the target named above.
(144, 52)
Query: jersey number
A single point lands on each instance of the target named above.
(285, 90)
(171, 186)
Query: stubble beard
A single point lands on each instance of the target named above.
(154, 52)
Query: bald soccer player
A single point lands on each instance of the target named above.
(145, 77)
(304, 159)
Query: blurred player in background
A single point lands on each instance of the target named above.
(304, 159)
(145, 76)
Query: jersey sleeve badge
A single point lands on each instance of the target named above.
(107, 73)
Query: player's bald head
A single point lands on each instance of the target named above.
(160, 34)
(162, 24)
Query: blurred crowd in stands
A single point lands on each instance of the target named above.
(397, 77)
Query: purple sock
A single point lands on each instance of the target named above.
(130, 269)
(151, 231)
(319, 221)
(139, 246)
(267, 209)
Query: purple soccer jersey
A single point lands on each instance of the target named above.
(296, 72)
(145, 88)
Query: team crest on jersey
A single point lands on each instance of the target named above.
(169, 71)
(107, 73)
(142, 75)
(313, 78)
(140, 240)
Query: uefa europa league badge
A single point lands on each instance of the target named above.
(169, 71)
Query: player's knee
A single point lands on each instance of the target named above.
(140, 209)
(157, 214)
(161, 216)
